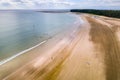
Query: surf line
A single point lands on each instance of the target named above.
(20, 53)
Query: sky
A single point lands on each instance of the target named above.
(60, 4)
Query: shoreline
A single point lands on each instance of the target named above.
(26, 50)
(20, 53)
(12, 63)
(88, 50)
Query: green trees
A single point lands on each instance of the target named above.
(109, 13)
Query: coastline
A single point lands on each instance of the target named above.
(26, 50)
(20, 53)
(12, 62)
(89, 50)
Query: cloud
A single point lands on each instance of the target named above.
(41, 4)
(16, 0)
(98, 4)
(35, 3)
(6, 4)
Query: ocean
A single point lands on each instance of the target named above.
(21, 30)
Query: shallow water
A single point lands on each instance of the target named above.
(20, 30)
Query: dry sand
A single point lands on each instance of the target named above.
(90, 51)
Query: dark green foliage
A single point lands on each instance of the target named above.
(109, 13)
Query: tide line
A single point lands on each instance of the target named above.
(20, 53)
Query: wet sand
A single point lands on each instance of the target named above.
(88, 51)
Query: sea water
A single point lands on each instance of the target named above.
(21, 30)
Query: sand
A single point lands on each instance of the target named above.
(88, 51)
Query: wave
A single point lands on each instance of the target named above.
(20, 53)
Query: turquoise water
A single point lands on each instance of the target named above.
(20, 30)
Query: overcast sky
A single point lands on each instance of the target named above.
(59, 4)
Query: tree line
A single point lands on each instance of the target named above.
(109, 13)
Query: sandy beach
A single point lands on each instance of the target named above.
(88, 51)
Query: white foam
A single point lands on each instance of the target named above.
(20, 53)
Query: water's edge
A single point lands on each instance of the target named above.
(31, 48)
(20, 53)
